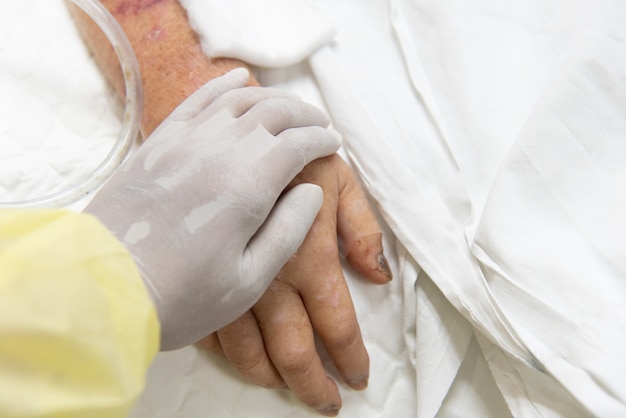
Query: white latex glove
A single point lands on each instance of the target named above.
(199, 205)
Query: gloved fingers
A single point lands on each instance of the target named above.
(283, 231)
(358, 229)
(290, 344)
(311, 143)
(238, 101)
(295, 149)
(278, 114)
(244, 348)
(207, 94)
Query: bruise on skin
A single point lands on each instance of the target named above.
(135, 6)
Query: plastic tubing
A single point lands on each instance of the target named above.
(132, 114)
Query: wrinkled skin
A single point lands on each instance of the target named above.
(271, 345)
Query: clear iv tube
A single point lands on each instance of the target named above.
(131, 121)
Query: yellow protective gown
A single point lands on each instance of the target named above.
(77, 328)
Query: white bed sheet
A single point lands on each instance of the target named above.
(511, 195)
(491, 138)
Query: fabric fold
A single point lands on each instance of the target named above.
(561, 194)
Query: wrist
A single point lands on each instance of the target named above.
(170, 56)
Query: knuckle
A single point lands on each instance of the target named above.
(345, 335)
(296, 360)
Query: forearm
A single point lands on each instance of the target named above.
(170, 57)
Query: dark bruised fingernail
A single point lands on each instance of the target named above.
(384, 266)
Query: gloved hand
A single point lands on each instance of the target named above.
(199, 205)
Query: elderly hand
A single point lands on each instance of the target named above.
(198, 204)
(272, 345)
(310, 294)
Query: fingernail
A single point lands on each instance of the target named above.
(332, 411)
(358, 383)
(384, 266)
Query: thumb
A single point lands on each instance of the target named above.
(283, 232)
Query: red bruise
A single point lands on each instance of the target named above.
(135, 6)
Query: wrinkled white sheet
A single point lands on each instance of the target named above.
(510, 183)
(491, 136)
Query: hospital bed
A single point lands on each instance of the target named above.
(491, 137)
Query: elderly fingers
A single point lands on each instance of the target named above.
(242, 344)
(332, 315)
(291, 346)
(211, 343)
(316, 273)
(358, 229)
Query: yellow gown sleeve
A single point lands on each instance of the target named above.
(77, 328)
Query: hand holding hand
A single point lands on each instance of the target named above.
(201, 207)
